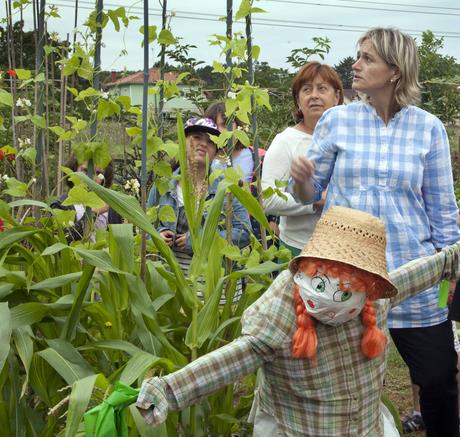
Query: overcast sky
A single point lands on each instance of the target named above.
(287, 24)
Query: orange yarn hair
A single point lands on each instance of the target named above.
(305, 339)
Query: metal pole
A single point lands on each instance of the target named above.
(97, 74)
(162, 71)
(144, 132)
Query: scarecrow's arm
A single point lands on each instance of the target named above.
(423, 273)
(200, 378)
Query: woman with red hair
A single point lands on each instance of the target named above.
(315, 89)
(318, 334)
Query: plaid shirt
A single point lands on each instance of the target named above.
(401, 173)
(340, 396)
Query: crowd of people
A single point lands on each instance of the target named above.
(370, 192)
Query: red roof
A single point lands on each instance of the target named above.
(138, 78)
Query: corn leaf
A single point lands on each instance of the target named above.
(22, 338)
(5, 333)
(128, 207)
(79, 400)
(57, 281)
(66, 361)
(140, 363)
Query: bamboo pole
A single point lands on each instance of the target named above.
(13, 89)
(63, 99)
(39, 107)
(255, 141)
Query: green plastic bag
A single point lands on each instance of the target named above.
(108, 418)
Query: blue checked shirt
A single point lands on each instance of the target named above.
(401, 173)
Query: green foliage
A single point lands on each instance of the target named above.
(439, 75)
(345, 71)
(300, 56)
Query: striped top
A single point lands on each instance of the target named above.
(338, 397)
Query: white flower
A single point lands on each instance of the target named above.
(132, 185)
(24, 142)
(231, 95)
(33, 180)
(23, 102)
(5, 177)
(54, 36)
(100, 176)
(104, 94)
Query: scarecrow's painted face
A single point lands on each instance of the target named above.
(326, 301)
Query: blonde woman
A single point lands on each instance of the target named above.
(386, 156)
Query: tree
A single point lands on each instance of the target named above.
(345, 71)
(438, 75)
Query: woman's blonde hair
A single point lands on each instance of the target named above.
(399, 50)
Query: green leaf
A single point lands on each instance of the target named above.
(78, 402)
(55, 248)
(6, 98)
(140, 363)
(128, 207)
(5, 290)
(78, 195)
(13, 235)
(24, 345)
(57, 281)
(121, 246)
(152, 33)
(29, 154)
(118, 345)
(38, 121)
(5, 332)
(98, 258)
(28, 313)
(166, 38)
(15, 188)
(66, 360)
(167, 214)
(217, 67)
(71, 65)
(244, 10)
(23, 74)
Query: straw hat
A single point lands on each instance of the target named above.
(351, 237)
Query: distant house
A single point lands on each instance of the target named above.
(132, 86)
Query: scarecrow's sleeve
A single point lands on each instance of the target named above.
(213, 371)
(423, 273)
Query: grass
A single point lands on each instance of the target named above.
(397, 385)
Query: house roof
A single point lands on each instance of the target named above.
(138, 78)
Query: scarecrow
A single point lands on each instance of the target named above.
(318, 336)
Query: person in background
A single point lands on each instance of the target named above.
(315, 89)
(386, 156)
(240, 157)
(200, 153)
(104, 216)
